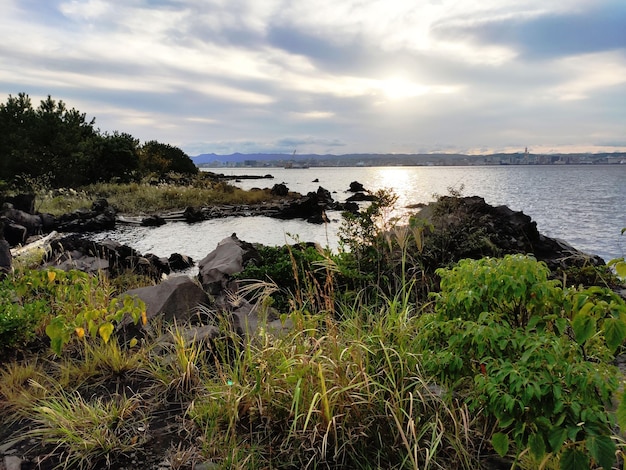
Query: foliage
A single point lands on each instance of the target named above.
(161, 159)
(89, 432)
(289, 267)
(343, 394)
(67, 304)
(519, 348)
(52, 140)
(619, 264)
(141, 198)
(18, 323)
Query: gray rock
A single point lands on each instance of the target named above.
(12, 462)
(32, 223)
(228, 258)
(175, 298)
(6, 260)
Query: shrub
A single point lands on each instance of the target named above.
(518, 347)
(67, 304)
(291, 268)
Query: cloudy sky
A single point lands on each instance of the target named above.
(329, 76)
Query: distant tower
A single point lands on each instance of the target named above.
(526, 160)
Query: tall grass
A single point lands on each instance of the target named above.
(333, 394)
(141, 198)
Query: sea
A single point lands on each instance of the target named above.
(584, 205)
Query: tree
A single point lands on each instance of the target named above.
(117, 157)
(63, 143)
(16, 120)
(159, 158)
(50, 140)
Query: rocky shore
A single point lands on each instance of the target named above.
(199, 304)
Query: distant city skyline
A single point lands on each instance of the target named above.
(373, 76)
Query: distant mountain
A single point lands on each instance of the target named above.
(242, 157)
(393, 159)
(274, 157)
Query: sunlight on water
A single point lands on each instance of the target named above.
(583, 205)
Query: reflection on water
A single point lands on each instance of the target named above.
(583, 205)
(199, 239)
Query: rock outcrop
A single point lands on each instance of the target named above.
(229, 257)
(110, 257)
(6, 260)
(468, 227)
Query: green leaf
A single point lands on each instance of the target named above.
(561, 324)
(574, 459)
(105, 330)
(56, 331)
(621, 413)
(500, 443)
(602, 449)
(557, 438)
(614, 333)
(584, 326)
(56, 344)
(537, 445)
(620, 268)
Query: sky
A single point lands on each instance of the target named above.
(328, 76)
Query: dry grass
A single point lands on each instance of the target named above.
(143, 198)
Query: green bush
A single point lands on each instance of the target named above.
(66, 305)
(519, 348)
(290, 267)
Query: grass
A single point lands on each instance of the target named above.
(144, 198)
(337, 394)
(345, 387)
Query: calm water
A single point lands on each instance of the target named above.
(583, 205)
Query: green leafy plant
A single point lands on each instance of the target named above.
(66, 305)
(94, 322)
(520, 349)
(619, 264)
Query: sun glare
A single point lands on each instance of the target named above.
(396, 88)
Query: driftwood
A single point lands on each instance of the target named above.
(42, 243)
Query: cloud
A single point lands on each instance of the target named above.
(540, 35)
(360, 76)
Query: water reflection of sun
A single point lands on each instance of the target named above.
(399, 180)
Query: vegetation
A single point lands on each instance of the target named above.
(62, 146)
(396, 357)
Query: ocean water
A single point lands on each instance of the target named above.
(585, 205)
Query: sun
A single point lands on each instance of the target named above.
(397, 88)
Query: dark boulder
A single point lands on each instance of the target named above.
(153, 221)
(280, 190)
(108, 256)
(13, 233)
(48, 222)
(178, 297)
(307, 207)
(100, 205)
(324, 196)
(193, 214)
(468, 227)
(359, 197)
(351, 207)
(6, 260)
(356, 187)
(101, 217)
(32, 223)
(180, 262)
(23, 202)
(160, 264)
